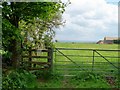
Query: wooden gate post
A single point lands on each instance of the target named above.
(50, 57)
(30, 57)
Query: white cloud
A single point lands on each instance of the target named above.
(89, 20)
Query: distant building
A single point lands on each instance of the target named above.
(109, 40)
(100, 42)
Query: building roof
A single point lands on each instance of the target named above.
(111, 38)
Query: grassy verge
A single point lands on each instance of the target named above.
(84, 80)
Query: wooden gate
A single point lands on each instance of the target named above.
(33, 59)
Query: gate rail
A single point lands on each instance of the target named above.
(69, 58)
(93, 56)
(43, 65)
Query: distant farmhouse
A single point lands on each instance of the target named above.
(109, 40)
(100, 42)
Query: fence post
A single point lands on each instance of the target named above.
(30, 58)
(93, 60)
(50, 57)
(55, 55)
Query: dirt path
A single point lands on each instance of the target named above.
(66, 83)
(66, 80)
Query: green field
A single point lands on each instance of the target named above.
(85, 45)
(74, 67)
(84, 58)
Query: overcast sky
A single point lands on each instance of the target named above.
(89, 20)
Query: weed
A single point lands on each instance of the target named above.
(19, 79)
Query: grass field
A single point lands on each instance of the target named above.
(79, 63)
(86, 45)
(84, 58)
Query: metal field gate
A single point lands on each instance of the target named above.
(69, 61)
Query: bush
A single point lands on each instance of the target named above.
(43, 74)
(19, 79)
(6, 58)
(117, 41)
(46, 75)
(87, 76)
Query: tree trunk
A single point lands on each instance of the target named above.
(16, 53)
(16, 48)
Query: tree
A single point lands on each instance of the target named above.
(56, 40)
(14, 12)
(39, 33)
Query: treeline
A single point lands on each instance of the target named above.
(117, 41)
